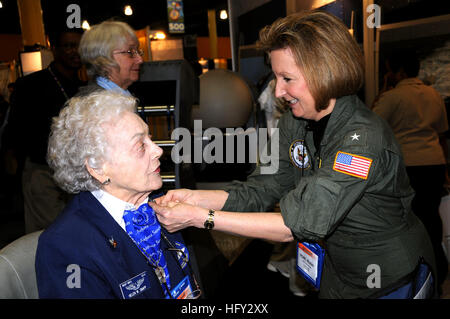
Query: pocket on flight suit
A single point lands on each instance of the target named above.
(320, 206)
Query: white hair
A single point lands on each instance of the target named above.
(78, 136)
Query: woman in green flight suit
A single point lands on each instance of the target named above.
(341, 178)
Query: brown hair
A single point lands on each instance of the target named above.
(328, 56)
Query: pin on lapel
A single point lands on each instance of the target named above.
(113, 242)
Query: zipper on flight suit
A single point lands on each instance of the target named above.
(318, 130)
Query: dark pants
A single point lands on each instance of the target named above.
(428, 182)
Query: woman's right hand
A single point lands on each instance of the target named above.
(176, 216)
(182, 195)
(210, 199)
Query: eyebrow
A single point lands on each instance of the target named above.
(132, 45)
(284, 74)
(137, 135)
(140, 134)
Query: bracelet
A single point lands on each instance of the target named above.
(209, 222)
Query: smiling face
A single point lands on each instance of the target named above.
(129, 66)
(133, 160)
(292, 87)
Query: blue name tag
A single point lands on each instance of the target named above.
(134, 286)
(310, 258)
(183, 290)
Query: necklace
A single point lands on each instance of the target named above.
(59, 83)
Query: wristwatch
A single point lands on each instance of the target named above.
(209, 222)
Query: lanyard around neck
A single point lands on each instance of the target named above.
(58, 83)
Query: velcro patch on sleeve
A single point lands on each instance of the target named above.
(352, 164)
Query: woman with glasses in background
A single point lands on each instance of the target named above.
(111, 54)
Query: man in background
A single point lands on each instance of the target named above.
(38, 98)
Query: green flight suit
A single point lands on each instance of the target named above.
(361, 221)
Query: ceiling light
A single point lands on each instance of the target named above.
(128, 11)
(223, 14)
(85, 25)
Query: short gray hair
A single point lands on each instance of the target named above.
(78, 136)
(97, 46)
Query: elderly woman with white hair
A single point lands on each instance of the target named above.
(107, 242)
(110, 51)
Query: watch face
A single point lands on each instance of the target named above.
(209, 224)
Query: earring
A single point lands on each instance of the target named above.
(106, 182)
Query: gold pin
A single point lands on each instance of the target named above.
(113, 243)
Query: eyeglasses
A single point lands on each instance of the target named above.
(132, 53)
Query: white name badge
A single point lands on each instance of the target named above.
(134, 286)
(310, 258)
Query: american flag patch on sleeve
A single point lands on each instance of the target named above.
(353, 165)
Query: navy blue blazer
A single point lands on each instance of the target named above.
(86, 254)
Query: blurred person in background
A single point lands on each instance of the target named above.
(110, 50)
(37, 98)
(417, 115)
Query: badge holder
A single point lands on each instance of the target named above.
(309, 263)
(183, 290)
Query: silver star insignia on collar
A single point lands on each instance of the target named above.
(355, 137)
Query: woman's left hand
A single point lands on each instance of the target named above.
(176, 216)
